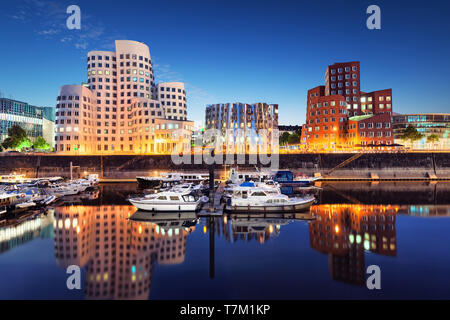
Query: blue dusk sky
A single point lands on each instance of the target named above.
(227, 51)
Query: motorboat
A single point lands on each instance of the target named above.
(237, 177)
(270, 186)
(12, 202)
(187, 176)
(64, 189)
(254, 199)
(174, 200)
(286, 179)
(157, 182)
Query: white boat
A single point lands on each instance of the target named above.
(237, 177)
(64, 189)
(15, 202)
(187, 176)
(167, 201)
(254, 199)
(270, 186)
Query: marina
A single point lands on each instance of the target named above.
(322, 252)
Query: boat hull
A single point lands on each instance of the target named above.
(157, 207)
(270, 208)
(148, 183)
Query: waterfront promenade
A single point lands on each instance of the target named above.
(339, 166)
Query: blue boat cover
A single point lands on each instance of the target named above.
(247, 184)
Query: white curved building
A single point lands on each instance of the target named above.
(173, 98)
(125, 109)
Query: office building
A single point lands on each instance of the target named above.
(428, 124)
(330, 108)
(120, 109)
(36, 121)
(245, 126)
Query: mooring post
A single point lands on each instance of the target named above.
(211, 246)
(211, 185)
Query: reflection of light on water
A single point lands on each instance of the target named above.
(9, 233)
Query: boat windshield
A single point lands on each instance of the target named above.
(190, 198)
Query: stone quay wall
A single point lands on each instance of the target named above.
(382, 165)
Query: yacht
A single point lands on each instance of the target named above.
(254, 199)
(64, 189)
(175, 200)
(270, 186)
(15, 203)
(187, 176)
(157, 182)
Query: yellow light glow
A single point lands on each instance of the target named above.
(336, 229)
(204, 229)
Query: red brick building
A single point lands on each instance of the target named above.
(370, 131)
(344, 79)
(326, 119)
(376, 102)
(330, 108)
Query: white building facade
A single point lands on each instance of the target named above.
(119, 110)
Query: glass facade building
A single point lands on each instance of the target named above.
(31, 118)
(427, 124)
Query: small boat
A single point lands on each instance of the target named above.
(157, 182)
(286, 179)
(254, 199)
(167, 201)
(270, 186)
(187, 176)
(15, 203)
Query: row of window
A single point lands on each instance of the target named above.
(326, 104)
(347, 76)
(380, 98)
(171, 89)
(340, 70)
(325, 112)
(378, 125)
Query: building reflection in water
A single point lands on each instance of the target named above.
(29, 226)
(119, 247)
(345, 232)
(254, 227)
(118, 253)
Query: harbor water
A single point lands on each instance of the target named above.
(401, 227)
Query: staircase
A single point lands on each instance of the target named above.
(128, 163)
(346, 162)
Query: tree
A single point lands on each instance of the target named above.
(284, 138)
(294, 138)
(17, 139)
(411, 133)
(432, 138)
(40, 143)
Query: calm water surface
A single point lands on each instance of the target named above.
(401, 227)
